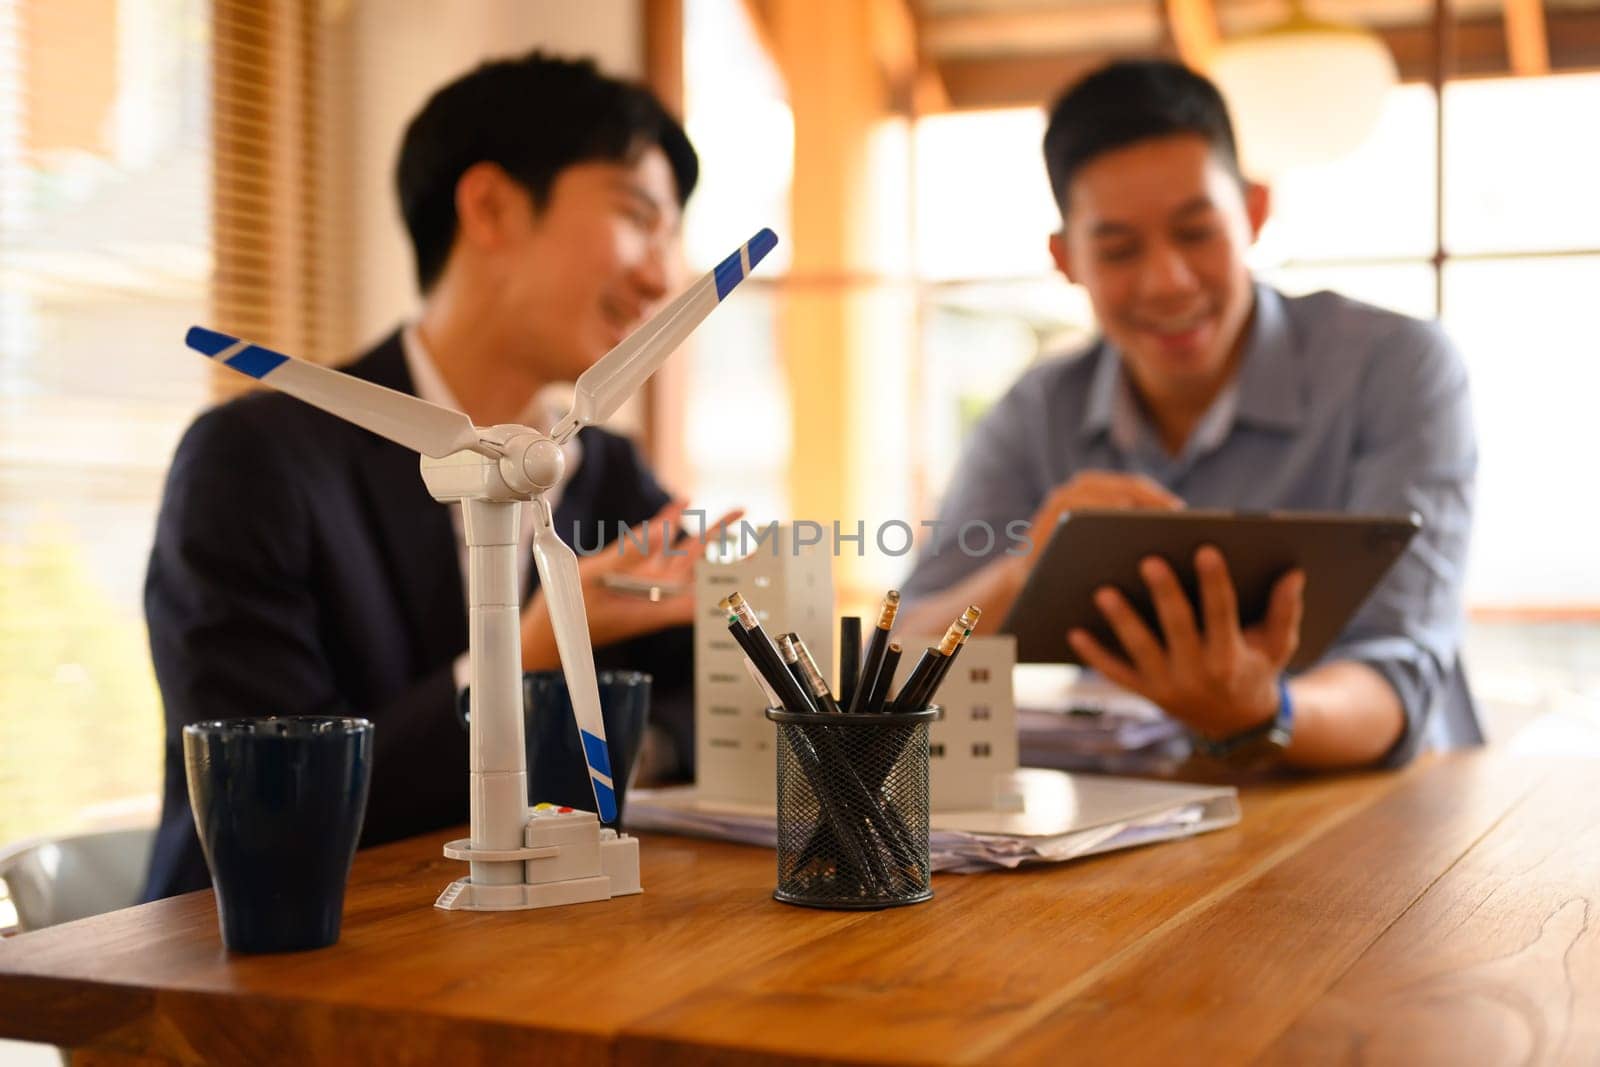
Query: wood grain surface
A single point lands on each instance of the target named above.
(1445, 913)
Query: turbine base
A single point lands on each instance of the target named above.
(568, 859)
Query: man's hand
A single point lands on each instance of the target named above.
(1219, 682)
(615, 616)
(1096, 489)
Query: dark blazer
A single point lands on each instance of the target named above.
(301, 568)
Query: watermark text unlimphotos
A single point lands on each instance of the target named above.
(975, 537)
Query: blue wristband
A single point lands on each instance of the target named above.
(1271, 736)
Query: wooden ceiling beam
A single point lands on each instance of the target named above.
(1526, 39)
(1018, 81)
(982, 34)
(894, 42)
(1481, 50)
(914, 84)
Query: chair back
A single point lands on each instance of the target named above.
(59, 879)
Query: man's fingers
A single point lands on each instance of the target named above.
(715, 531)
(1125, 490)
(1283, 616)
(662, 528)
(678, 564)
(1108, 489)
(1218, 600)
(1172, 608)
(1095, 657)
(639, 548)
(1137, 640)
(1149, 493)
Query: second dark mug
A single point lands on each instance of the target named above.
(557, 771)
(278, 804)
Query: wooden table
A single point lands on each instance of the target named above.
(1449, 913)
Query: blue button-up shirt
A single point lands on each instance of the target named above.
(1337, 406)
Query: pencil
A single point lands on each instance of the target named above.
(753, 662)
(773, 700)
(880, 688)
(815, 682)
(877, 647)
(791, 660)
(849, 657)
(761, 650)
(914, 693)
(969, 619)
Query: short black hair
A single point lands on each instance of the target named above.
(1129, 101)
(534, 115)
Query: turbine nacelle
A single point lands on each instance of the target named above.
(533, 463)
(525, 463)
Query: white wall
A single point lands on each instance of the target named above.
(386, 58)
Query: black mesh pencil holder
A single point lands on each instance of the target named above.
(853, 802)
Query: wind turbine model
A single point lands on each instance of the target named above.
(519, 858)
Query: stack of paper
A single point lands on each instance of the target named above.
(1076, 720)
(964, 853)
(1063, 816)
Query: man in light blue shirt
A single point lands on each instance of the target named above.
(1209, 389)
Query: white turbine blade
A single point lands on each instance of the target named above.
(402, 418)
(620, 372)
(563, 594)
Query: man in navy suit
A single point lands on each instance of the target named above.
(300, 566)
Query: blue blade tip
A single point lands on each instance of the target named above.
(606, 801)
(207, 342)
(761, 244)
(595, 753)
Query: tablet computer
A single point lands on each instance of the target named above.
(1343, 557)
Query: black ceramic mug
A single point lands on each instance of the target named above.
(557, 771)
(278, 803)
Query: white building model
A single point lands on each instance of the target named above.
(735, 758)
(973, 749)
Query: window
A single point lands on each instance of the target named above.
(980, 713)
(741, 126)
(1375, 204)
(980, 749)
(1534, 376)
(105, 257)
(1515, 185)
(936, 750)
(1522, 244)
(980, 216)
(983, 208)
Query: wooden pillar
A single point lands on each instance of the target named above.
(834, 92)
(662, 396)
(846, 313)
